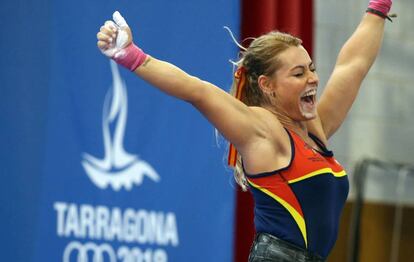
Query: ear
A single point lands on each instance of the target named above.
(265, 84)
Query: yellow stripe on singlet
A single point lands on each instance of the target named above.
(327, 170)
(300, 221)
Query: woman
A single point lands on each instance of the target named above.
(279, 130)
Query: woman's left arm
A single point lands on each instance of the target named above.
(353, 63)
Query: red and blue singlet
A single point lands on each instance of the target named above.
(302, 202)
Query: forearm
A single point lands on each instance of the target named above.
(354, 61)
(170, 79)
(363, 46)
(115, 41)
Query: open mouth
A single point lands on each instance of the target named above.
(309, 97)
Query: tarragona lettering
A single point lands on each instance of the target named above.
(114, 224)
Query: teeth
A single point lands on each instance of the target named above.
(310, 93)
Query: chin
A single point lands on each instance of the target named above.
(307, 110)
(308, 115)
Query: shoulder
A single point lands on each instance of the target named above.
(269, 124)
(269, 151)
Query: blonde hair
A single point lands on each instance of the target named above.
(260, 58)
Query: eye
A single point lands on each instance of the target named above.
(312, 69)
(298, 74)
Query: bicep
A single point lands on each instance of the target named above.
(353, 63)
(237, 122)
(338, 96)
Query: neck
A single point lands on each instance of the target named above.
(298, 127)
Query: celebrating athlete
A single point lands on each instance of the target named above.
(277, 129)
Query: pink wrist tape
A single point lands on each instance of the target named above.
(382, 6)
(130, 57)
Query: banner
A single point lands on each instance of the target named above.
(129, 173)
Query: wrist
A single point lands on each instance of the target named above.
(380, 8)
(131, 57)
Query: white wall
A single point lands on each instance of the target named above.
(381, 122)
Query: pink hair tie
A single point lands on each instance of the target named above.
(130, 57)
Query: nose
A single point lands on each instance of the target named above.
(313, 78)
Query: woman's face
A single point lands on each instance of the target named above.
(295, 84)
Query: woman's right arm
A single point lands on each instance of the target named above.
(238, 123)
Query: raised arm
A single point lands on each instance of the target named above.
(236, 121)
(352, 65)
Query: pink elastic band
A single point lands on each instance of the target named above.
(382, 6)
(130, 57)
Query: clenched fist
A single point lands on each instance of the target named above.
(115, 41)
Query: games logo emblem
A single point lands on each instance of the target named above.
(118, 168)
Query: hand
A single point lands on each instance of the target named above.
(115, 41)
(113, 37)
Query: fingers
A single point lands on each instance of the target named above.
(109, 28)
(111, 25)
(104, 39)
(119, 20)
(114, 34)
(102, 45)
(106, 35)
